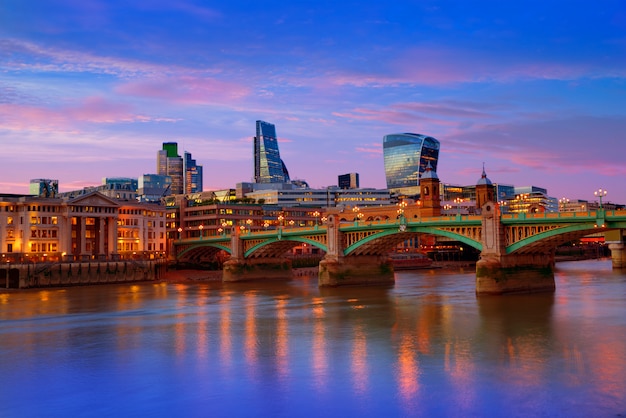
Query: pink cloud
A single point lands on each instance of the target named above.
(69, 118)
(186, 90)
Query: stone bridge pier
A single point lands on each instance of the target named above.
(618, 255)
(499, 273)
(335, 269)
(238, 268)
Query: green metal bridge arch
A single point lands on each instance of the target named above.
(410, 231)
(282, 239)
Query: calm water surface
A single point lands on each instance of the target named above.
(425, 347)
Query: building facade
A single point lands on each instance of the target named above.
(348, 181)
(406, 157)
(268, 166)
(169, 163)
(193, 174)
(86, 227)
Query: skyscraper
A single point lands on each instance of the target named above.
(406, 157)
(169, 163)
(193, 174)
(268, 167)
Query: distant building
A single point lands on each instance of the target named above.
(406, 157)
(332, 196)
(44, 187)
(169, 163)
(348, 181)
(153, 187)
(193, 174)
(268, 166)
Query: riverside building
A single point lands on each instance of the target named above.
(86, 227)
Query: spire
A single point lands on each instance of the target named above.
(483, 178)
(429, 173)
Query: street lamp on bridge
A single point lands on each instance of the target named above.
(458, 202)
(201, 227)
(600, 194)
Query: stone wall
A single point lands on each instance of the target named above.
(26, 276)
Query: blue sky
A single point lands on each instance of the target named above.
(534, 89)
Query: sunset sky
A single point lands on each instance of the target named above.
(535, 90)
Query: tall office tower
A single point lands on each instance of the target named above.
(268, 167)
(169, 163)
(193, 175)
(348, 181)
(406, 157)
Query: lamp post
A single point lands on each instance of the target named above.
(180, 233)
(316, 214)
(447, 208)
(224, 225)
(201, 227)
(458, 201)
(291, 222)
(600, 193)
(401, 208)
(356, 210)
(563, 201)
(249, 223)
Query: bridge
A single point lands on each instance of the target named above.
(516, 250)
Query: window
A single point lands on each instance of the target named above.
(10, 220)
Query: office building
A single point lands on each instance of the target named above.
(348, 181)
(193, 175)
(44, 187)
(406, 157)
(169, 163)
(268, 166)
(153, 187)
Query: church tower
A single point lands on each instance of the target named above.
(485, 191)
(429, 193)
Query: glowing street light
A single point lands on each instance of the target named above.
(563, 201)
(180, 232)
(316, 214)
(458, 202)
(201, 227)
(600, 194)
(401, 207)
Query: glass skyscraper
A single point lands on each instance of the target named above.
(406, 157)
(268, 167)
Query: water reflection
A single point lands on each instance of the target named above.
(423, 347)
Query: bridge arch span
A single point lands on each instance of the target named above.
(549, 240)
(276, 247)
(203, 251)
(385, 241)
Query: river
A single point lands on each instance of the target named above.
(424, 347)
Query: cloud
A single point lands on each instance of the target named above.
(186, 90)
(92, 110)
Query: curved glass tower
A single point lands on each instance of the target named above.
(406, 158)
(268, 167)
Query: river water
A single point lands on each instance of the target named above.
(424, 347)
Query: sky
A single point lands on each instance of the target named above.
(535, 90)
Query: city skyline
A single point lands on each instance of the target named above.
(533, 90)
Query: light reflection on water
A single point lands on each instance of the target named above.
(423, 347)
